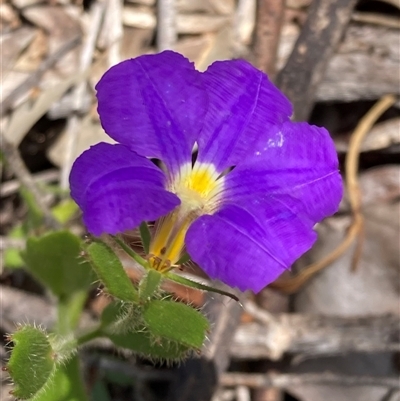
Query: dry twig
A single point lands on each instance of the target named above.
(10, 187)
(166, 25)
(267, 34)
(74, 121)
(376, 19)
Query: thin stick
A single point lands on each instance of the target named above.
(114, 10)
(377, 19)
(74, 121)
(166, 25)
(267, 34)
(10, 187)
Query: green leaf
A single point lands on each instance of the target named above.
(64, 211)
(32, 361)
(120, 317)
(136, 337)
(12, 257)
(69, 311)
(65, 385)
(143, 344)
(55, 260)
(145, 235)
(35, 216)
(141, 261)
(183, 259)
(194, 284)
(149, 284)
(111, 272)
(176, 321)
(112, 312)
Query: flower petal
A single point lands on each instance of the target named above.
(243, 103)
(153, 104)
(118, 189)
(245, 251)
(297, 168)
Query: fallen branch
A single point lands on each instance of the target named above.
(283, 380)
(321, 33)
(316, 336)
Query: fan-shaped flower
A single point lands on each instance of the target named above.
(244, 205)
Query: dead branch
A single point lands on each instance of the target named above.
(283, 380)
(324, 27)
(267, 34)
(315, 336)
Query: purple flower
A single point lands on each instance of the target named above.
(244, 210)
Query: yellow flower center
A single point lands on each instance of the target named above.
(198, 188)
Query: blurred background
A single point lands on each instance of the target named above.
(329, 329)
